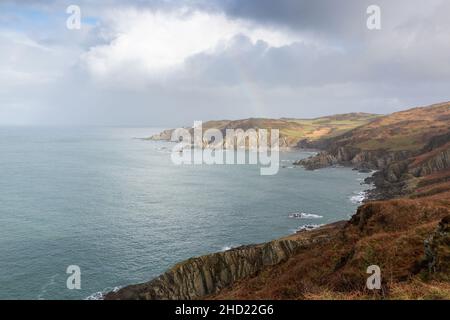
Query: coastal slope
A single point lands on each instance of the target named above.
(293, 132)
(408, 239)
(386, 139)
(404, 229)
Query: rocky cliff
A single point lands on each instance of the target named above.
(402, 177)
(407, 237)
(350, 156)
(165, 135)
(387, 140)
(293, 132)
(206, 275)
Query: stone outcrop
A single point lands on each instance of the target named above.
(349, 156)
(389, 234)
(388, 139)
(321, 160)
(398, 177)
(197, 277)
(437, 162)
(437, 250)
(396, 170)
(165, 135)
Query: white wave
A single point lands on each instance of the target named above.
(308, 227)
(303, 215)
(100, 294)
(226, 248)
(95, 296)
(359, 197)
(163, 150)
(367, 173)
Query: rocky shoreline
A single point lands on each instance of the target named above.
(402, 226)
(224, 275)
(208, 275)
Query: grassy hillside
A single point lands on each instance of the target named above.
(292, 131)
(385, 139)
(405, 130)
(325, 127)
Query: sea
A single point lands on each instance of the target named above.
(115, 205)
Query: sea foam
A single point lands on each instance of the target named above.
(303, 215)
(308, 227)
(359, 197)
(101, 294)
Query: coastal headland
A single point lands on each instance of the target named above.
(403, 227)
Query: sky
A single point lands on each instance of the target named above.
(169, 63)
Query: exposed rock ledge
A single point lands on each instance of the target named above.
(348, 156)
(206, 275)
(165, 135)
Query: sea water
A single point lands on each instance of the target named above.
(118, 208)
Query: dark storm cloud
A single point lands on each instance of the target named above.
(345, 18)
(319, 15)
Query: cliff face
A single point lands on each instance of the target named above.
(387, 140)
(436, 160)
(403, 147)
(402, 178)
(292, 131)
(206, 275)
(165, 135)
(350, 156)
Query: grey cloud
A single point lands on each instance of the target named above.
(301, 64)
(339, 67)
